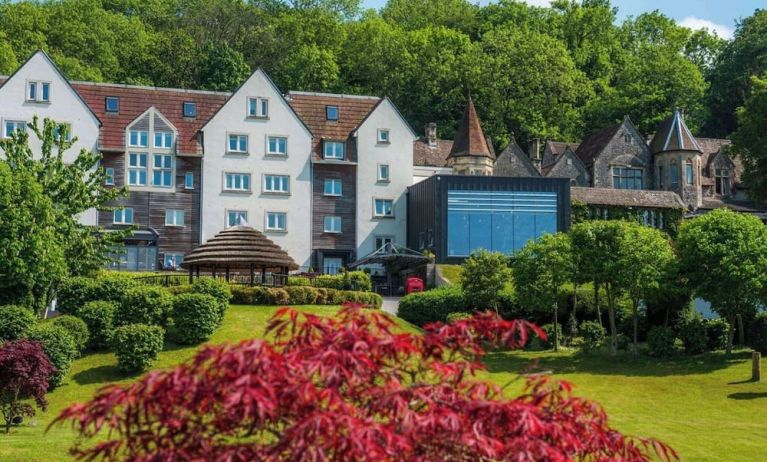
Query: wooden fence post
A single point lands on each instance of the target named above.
(756, 366)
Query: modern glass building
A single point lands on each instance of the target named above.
(451, 215)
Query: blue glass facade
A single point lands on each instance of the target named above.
(501, 221)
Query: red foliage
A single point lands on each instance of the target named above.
(350, 388)
(24, 373)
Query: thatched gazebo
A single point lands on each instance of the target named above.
(239, 248)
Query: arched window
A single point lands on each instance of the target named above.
(674, 173)
(688, 173)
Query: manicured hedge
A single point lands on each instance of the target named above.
(75, 292)
(195, 317)
(76, 328)
(350, 280)
(421, 308)
(144, 305)
(99, 317)
(15, 321)
(136, 346)
(299, 295)
(217, 289)
(58, 346)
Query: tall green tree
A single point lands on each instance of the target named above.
(541, 270)
(483, 276)
(724, 256)
(750, 140)
(222, 68)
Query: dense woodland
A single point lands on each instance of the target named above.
(556, 72)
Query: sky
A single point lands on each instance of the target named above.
(718, 15)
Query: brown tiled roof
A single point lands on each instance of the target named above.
(627, 197)
(673, 135)
(469, 139)
(431, 156)
(352, 110)
(136, 100)
(593, 144)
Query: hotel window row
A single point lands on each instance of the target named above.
(240, 182)
(273, 221)
(275, 145)
(112, 106)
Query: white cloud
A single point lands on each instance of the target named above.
(698, 23)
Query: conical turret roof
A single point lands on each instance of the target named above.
(239, 247)
(673, 135)
(469, 139)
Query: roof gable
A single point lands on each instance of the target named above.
(383, 103)
(513, 161)
(593, 145)
(567, 154)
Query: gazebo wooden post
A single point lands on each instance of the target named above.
(263, 275)
(197, 271)
(252, 274)
(191, 273)
(227, 273)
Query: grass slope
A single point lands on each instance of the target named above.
(701, 405)
(451, 272)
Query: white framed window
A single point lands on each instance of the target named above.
(382, 241)
(174, 217)
(172, 260)
(109, 180)
(237, 182)
(137, 167)
(277, 184)
(238, 144)
(383, 208)
(277, 145)
(331, 112)
(383, 135)
(383, 172)
(188, 180)
(123, 216)
(333, 187)
(163, 140)
(162, 170)
(138, 138)
(276, 221)
(38, 91)
(236, 218)
(258, 107)
(13, 126)
(332, 224)
(333, 150)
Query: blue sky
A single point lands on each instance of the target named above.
(720, 15)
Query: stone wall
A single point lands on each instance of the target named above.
(626, 148)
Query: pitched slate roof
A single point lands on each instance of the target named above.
(673, 135)
(469, 139)
(557, 148)
(513, 161)
(431, 156)
(627, 197)
(593, 144)
(135, 100)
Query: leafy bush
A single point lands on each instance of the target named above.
(661, 341)
(693, 334)
(623, 341)
(458, 316)
(195, 317)
(350, 280)
(549, 330)
(593, 335)
(301, 295)
(279, 296)
(76, 327)
(113, 287)
(483, 276)
(758, 333)
(717, 330)
(144, 305)
(15, 321)
(75, 292)
(299, 281)
(180, 289)
(99, 318)
(217, 289)
(421, 308)
(58, 346)
(136, 345)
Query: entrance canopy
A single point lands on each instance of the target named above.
(393, 256)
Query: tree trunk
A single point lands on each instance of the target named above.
(613, 328)
(741, 331)
(730, 335)
(634, 309)
(596, 303)
(556, 327)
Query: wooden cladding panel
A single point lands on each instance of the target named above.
(344, 206)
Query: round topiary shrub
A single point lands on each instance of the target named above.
(718, 329)
(278, 296)
(99, 318)
(113, 287)
(758, 333)
(144, 305)
(75, 292)
(593, 335)
(76, 328)
(195, 317)
(217, 289)
(136, 346)
(692, 333)
(661, 341)
(15, 321)
(60, 348)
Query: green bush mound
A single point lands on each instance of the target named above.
(302, 295)
(593, 335)
(75, 292)
(217, 289)
(421, 308)
(15, 321)
(60, 348)
(144, 305)
(693, 334)
(76, 328)
(548, 329)
(661, 341)
(99, 317)
(349, 280)
(458, 316)
(717, 329)
(758, 333)
(136, 346)
(195, 317)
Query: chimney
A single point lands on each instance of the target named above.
(534, 150)
(431, 134)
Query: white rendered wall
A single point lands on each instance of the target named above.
(233, 119)
(421, 173)
(398, 154)
(64, 106)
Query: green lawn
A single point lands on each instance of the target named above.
(451, 272)
(702, 406)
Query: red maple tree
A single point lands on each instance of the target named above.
(350, 388)
(24, 373)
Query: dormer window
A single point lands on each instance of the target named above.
(138, 138)
(163, 140)
(722, 181)
(112, 104)
(331, 112)
(333, 150)
(190, 109)
(258, 108)
(38, 91)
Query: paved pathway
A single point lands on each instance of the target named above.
(390, 305)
